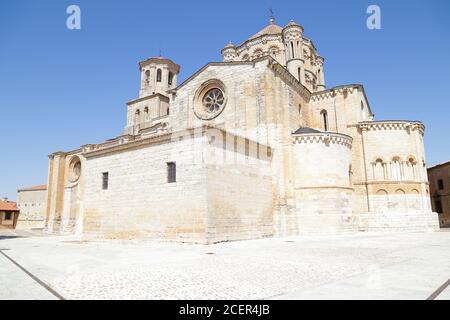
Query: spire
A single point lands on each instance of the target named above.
(229, 45)
(271, 17)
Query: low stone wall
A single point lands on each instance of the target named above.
(391, 221)
(293, 224)
(29, 224)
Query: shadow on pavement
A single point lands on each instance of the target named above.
(9, 237)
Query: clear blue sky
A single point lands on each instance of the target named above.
(60, 89)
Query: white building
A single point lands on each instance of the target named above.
(254, 146)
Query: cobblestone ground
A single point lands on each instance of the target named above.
(251, 277)
(409, 265)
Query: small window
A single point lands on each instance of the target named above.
(8, 216)
(170, 81)
(441, 184)
(137, 116)
(325, 120)
(300, 109)
(158, 75)
(105, 180)
(258, 53)
(438, 206)
(299, 70)
(171, 172)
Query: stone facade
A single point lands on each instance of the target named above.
(254, 146)
(439, 177)
(32, 204)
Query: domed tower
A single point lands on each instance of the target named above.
(293, 42)
(229, 53)
(158, 75)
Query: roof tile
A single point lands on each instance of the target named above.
(8, 206)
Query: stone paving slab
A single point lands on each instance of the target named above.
(445, 295)
(353, 266)
(15, 284)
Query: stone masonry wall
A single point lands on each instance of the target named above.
(32, 205)
(139, 203)
(239, 193)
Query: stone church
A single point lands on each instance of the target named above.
(254, 146)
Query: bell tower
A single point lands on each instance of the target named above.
(293, 42)
(158, 75)
(229, 53)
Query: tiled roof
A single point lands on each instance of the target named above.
(34, 188)
(8, 206)
(229, 45)
(439, 165)
(268, 30)
(292, 23)
(305, 130)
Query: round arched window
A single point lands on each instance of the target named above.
(75, 169)
(210, 100)
(213, 100)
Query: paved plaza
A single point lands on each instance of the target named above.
(352, 266)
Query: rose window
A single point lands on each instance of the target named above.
(75, 169)
(213, 101)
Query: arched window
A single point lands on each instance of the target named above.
(324, 116)
(412, 168)
(258, 53)
(146, 113)
(170, 80)
(299, 71)
(75, 169)
(137, 116)
(300, 109)
(292, 50)
(158, 75)
(396, 169)
(379, 170)
(273, 51)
